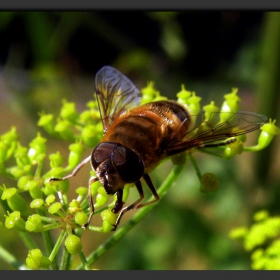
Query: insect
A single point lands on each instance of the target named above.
(137, 138)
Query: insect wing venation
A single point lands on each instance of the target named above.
(233, 124)
(115, 94)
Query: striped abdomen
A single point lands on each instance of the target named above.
(149, 129)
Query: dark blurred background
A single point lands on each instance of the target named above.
(48, 56)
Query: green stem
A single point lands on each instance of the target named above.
(27, 240)
(140, 214)
(197, 171)
(48, 242)
(267, 85)
(11, 259)
(57, 245)
(84, 260)
(65, 260)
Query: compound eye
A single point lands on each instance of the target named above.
(128, 163)
(101, 152)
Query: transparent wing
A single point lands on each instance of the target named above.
(214, 130)
(115, 94)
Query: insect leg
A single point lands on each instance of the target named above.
(74, 172)
(213, 145)
(90, 202)
(153, 190)
(119, 203)
(187, 145)
(136, 204)
(132, 206)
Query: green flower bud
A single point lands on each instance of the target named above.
(14, 200)
(92, 115)
(238, 233)
(46, 121)
(34, 189)
(231, 101)
(21, 156)
(274, 249)
(34, 224)
(64, 130)
(106, 226)
(93, 105)
(149, 93)
(37, 150)
(36, 203)
(17, 172)
(101, 198)
(57, 172)
(210, 111)
(81, 218)
(269, 130)
(183, 95)
(9, 222)
(10, 136)
(94, 187)
(86, 116)
(209, 183)
(109, 219)
(233, 149)
(266, 136)
(56, 160)
(241, 138)
(8, 142)
(73, 244)
(261, 215)
(8, 193)
(54, 208)
(68, 111)
(33, 258)
(74, 206)
(36, 192)
(126, 192)
(23, 183)
(55, 186)
(90, 135)
(82, 191)
(193, 104)
(50, 199)
(14, 220)
(109, 216)
(75, 155)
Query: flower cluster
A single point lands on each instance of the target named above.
(262, 239)
(49, 207)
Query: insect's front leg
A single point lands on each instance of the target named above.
(119, 203)
(74, 172)
(90, 202)
(118, 206)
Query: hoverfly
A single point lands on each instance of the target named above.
(137, 138)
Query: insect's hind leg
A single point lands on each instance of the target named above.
(119, 202)
(213, 145)
(74, 172)
(136, 204)
(150, 185)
